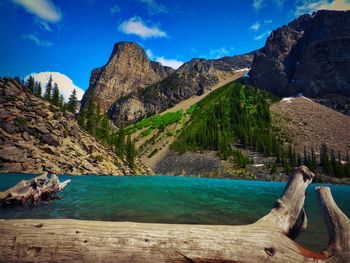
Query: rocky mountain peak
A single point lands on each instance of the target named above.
(127, 71)
(310, 55)
(130, 51)
(193, 78)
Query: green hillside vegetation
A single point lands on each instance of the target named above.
(159, 122)
(232, 114)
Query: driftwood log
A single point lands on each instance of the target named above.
(270, 239)
(33, 191)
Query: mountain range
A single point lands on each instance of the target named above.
(156, 105)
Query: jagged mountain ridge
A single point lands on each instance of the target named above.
(310, 55)
(193, 78)
(127, 70)
(37, 137)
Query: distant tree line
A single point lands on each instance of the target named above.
(52, 94)
(239, 113)
(331, 163)
(98, 125)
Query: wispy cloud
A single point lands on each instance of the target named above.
(173, 63)
(258, 4)
(309, 6)
(267, 21)
(136, 26)
(263, 35)
(154, 7)
(220, 52)
(255, 27)
(115, 9)
(43, 9)
(43, 25)
(37, 40)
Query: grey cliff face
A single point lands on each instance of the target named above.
(127, 70)
(192, 78)
(310, 55)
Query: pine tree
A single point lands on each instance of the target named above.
(103, 129)
(313, 162)
(72, 104)
(120, 143)
(30, 84)
(130, 152)
(55, 95)
(61, 104)
(37, 89)
(305, 157)
(48, 90)
(299, 160)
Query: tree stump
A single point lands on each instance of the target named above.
(33, 191)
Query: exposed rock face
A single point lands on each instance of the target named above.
(309, 124)
(127, 70)
(192, 78)
(36, 137)
(310, 55)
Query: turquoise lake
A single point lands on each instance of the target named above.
(181, 200)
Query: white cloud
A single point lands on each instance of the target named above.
(149, 54)
(43, 9)
(309, 6)
(37, 41)
(154, 7)
(173, 63)
(115, 9)
(255, 27)
(136, 26)
(263, 35)
(257, 4)
(65, 84)
(220, 52)
(267, 21)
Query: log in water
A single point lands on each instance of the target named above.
(268, 239)
(180, 200)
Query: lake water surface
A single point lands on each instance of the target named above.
(181, 200)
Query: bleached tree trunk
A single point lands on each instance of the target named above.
(33, 191)
(267, 240)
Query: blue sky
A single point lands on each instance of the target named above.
(73, 37)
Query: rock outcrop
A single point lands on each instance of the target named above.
(35, 137)
(127, 70)
(192, 78)
(311, 55)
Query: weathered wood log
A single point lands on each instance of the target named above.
(33, 191)
(267, 240)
